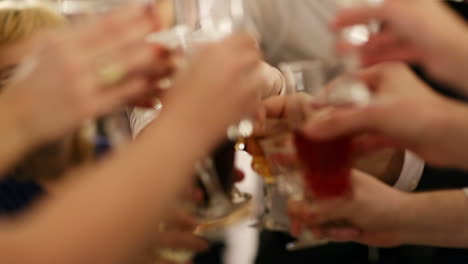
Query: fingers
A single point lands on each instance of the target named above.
(336, 122)
(272, 81)
(314, 214)
(181, 220)
(382, 47)
(341, 234)
(112, 97)
(250, 82)
(371, 142)
(275, 107)
(119, 29)
(381, 41)
(242, 40)
(399, 52)
(295, 212)
(182, 240)
(355, 16)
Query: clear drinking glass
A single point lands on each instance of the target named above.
(326, 165)
(210, 21)
(349, 63)
(308, 78)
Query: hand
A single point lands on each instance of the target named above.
(404, 113)
(59, 86)
(176, 234)
(219, 86)
(370, 216)
(385, 164)
(272, 81)
(433, 37)
(291, 110)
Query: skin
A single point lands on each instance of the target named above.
(433, 37)
(385, 164)
(131, 172)
(54, 51)
(417, 119)
(382, 216)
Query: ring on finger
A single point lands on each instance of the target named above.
(111, 74)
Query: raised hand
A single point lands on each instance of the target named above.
(81, 73)
(404, 113)
(418, 31)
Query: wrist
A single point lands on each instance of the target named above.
(406, 224)
(435, 219)
(458, 62)
(453, 123)
(189, 129)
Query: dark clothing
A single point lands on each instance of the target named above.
(17, 195)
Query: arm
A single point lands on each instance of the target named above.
(436, 219)
(382, 216)
(420, 120)
(87, 220)
(97, 215)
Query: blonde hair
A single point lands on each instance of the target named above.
(19, 21)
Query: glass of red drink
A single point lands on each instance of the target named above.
(326, 165)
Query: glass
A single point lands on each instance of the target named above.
(349, 63)
(326, 165)
(209, 21)
(280, 159)
(197, 22)
(308, 78)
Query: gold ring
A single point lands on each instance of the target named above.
(111, 74)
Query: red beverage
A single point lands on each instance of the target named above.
(326, 165)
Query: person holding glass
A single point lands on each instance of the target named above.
(45, 166)
(301, 32)
(429, 124)
(67, 80)
(389, 217)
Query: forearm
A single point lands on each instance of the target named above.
(110, 214)
(15, 141)
(457, 74)
(452, 127)
(436, 219)
(385, 165)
